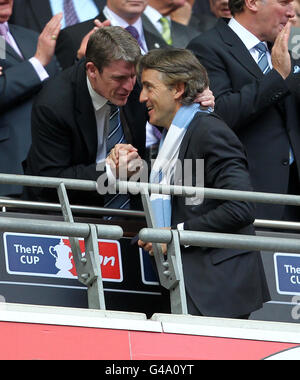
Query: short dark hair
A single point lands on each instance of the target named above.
(112, 43)
(177, 66)
(236, 6)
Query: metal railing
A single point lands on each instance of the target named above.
(170, 269)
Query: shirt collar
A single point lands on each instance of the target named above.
(153, 14)
(5, 24)
(249, 39)
(98, 100)
(116, 20)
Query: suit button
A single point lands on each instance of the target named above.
(285, 162)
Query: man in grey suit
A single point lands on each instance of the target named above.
(157, 20)
(26, 61)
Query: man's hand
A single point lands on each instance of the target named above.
(1, 70)
(82, 49)
(47, 40)
(124, 161)
(206, 98)
(281, 59)
(149, 246)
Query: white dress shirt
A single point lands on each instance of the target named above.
(102, 111)
(85, 9)
(248, 39)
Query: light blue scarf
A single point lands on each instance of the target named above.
(165, 163)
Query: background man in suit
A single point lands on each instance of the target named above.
(26, 61)
(257, 93)
(35, 14)
(72, 41)
(219, 282)
(158, 12)
(72, 131)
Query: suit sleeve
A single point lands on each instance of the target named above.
(18, 83)
(238, 105)
(225, 167)
(52, 142)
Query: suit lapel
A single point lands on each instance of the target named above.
(26, 45)
(153, 39)
(238, 49)
(84, 111)
(41, 12)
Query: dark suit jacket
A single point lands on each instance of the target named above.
(64, 134)
(34, 14)
(181, 34)
(262, 109)
(70, 39)
(19, 85)
(221, 282)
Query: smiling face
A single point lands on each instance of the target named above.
(115, 82)
(5, 10)
(220, 8)
(161, 101)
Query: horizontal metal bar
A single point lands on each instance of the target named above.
(222, 194)
(36, 181)
(219, 240)
(6, 202)
(47, 227)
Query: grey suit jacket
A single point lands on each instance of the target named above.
(181, 34)
(18, 86)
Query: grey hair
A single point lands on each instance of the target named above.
(112, 43)
(177, 66)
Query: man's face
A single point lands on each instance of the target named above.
(115, 82)
(5, 10)
(160, 99)
(272, 16)
(165, 7)
(127, 9)
(220, 8)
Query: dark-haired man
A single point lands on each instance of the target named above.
(219, 282)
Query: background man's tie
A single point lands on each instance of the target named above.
(70, 14)
(166, 30)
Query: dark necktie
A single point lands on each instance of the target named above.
(115, 136)
(135, 34)
(70, 14)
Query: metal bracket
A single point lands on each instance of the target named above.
(169, 267)
(88, 267)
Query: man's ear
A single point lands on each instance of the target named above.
(91, 70)
(252, 5)
(179, 89)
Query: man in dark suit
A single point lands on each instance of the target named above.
(158, 22)
(219, 282)
(70, 120)
(119, 13)
(257, 93)
(34, 14)
(26, 61)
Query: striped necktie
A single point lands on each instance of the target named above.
(115, 136)
(265, 68)
(166, 30)
(70, 14)
(262, 58)
(135, 34)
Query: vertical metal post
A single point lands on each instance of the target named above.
(88, 267)
(169, 267)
